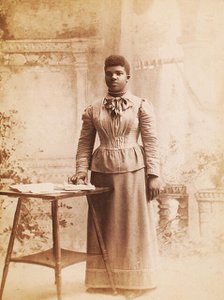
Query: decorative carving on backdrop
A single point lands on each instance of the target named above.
(40, 59)
(142, 64)
(46, 52)
(210, 195)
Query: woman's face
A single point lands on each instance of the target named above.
(116, 78)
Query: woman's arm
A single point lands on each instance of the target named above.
(149, 138)
(151, 148)
(85, 148)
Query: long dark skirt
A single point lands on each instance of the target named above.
(128, 228)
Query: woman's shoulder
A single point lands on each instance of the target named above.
(146, 107)
(141, 103)
(97, 103)
(133, 98)
(92, 109)
(92, 105)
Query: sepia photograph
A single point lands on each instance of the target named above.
(112, 149)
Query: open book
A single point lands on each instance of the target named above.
(44, 188)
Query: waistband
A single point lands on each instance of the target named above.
(118, 143)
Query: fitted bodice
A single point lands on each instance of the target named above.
(119, 150)
(120, 132)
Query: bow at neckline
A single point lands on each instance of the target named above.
(116, 105)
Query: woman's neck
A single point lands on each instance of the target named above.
(116, 94)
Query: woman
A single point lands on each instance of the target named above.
(126, 216)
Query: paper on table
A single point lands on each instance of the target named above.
(78, 187)
(35, 188)
(43, 188)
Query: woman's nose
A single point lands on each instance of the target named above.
(114, 76)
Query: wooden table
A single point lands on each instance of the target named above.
(56, 257)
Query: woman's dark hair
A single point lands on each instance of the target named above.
(117, 60)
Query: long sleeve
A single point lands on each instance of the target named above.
(86, 142)
(149, 138)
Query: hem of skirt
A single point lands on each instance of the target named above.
(138, 279)
(123, 287)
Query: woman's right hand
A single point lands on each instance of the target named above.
(79, 178)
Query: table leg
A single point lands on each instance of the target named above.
(102, 246)
(56, 246)
(10, 245)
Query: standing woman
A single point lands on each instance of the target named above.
(132, 170)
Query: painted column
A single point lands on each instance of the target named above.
(79, 51)
(211, 212)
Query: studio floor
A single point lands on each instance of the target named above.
(189, 278)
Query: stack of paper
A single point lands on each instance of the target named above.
(44, 188)
(35, 188)
(78, 187)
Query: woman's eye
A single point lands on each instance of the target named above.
(109, 74)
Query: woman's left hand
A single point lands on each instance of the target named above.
(153, 187)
